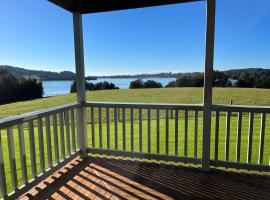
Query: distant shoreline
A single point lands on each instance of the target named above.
(19, 72)
(109, 77)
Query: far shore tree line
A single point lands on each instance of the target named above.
(245, 79)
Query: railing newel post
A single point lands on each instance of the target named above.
(80, 84)
(208, 79)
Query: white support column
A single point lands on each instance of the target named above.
(80, 84)
(208, 82)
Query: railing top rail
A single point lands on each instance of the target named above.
(241, 108)
(14, 120)
(145, 105)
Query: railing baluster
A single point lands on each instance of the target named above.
(239, 136)
(116, 128)
(32, 148)
(100, 128)
(72, 119)
(124, 128)
(3, 185)
(77, 126)
(108, 127)
(132, 129)
(12, 159)
(66, 115)
(167, 132)
(41, 145)
(186, 134)
(149, 129)
(61, 120)
(49, 142)
(93, 127)
(158, 132)
(250, 137)
(217, 135)
(196, 134)
(118, 110)
(176, 133)
(140, 130)
(228, 132)
(262, 134)
(22, 153)
(55, 133)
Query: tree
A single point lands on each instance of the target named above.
(245, 80)
(171, 84)
(13, 89)
(30, 88)
(221, 79)
(190, 80)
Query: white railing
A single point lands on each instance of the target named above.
(144, 130)
(250, 127)
(33, 146)
(173, 132)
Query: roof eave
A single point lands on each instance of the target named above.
(95, 6)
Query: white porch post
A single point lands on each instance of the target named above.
(208, 82)
(80, 84)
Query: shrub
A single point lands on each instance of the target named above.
(98, 86)
(152, 84)
(148, 84)
(105, 86)
(73, 88)
(136, 84)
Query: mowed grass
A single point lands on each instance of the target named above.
(239, 96)
(172, 95)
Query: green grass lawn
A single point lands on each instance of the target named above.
(239, 96)
(174, 95)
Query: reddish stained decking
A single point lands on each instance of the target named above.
(107, 178)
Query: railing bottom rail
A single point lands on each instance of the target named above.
(149, 156)
(244, 166)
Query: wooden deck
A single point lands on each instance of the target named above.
(106, 178)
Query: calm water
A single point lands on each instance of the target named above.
(52, 88)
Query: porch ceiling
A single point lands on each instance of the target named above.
(95, 6)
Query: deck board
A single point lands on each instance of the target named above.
(108, 178)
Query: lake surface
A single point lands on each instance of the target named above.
(52, 88)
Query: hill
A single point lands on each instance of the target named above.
(19, 72)
(67, 75)
(43, 75)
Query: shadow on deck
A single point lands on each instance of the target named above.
(107, 178)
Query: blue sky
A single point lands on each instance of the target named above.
(35, 34)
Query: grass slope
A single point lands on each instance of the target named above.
(239, 96)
